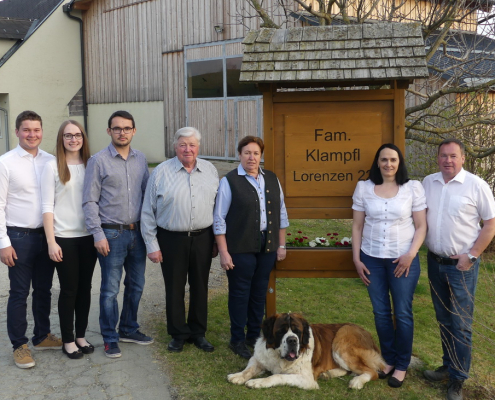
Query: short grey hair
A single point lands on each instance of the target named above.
(187, 132)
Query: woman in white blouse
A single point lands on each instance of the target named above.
(389, 226)
(69, 244)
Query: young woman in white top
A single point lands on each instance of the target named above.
(70, 246)
(389, 226)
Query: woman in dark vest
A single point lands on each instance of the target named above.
(249, 224)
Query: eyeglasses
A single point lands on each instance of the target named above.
(118, 130)
(69, 136)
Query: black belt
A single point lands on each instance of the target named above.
(120, 227)
(188, 233)
(442, 260)
(27, 230)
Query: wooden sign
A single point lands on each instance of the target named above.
(327, 154)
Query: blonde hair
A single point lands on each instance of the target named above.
(63, 169)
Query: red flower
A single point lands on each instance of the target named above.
(301, 240)
(335, 234)
(289, 234)
(346, 243)
(332, 237)
(299, 231)
(322, 240)
(328, 234)
(305, 237)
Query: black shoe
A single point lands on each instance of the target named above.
(240, 349)
(394, 382)
(89, 349)
(203, 344)
(76, 355)
(439, 375)
(383, 375)
(176, 345)
(454, 390)
(251, 342)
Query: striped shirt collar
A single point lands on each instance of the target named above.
(178, 165)
(114, 153)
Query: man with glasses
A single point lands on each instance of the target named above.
(113, 192)
(23, 246)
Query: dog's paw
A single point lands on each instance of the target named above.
(257, 383)
(359, 381)
(237, 379)
(333, 373)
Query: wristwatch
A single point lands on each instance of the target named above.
(282, 247)
(472, 258)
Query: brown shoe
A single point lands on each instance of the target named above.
(22, 357)
(51, 342)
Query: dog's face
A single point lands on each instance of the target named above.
(287, 333)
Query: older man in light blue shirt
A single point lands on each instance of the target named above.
(176, 224)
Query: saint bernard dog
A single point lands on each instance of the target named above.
(297, 354)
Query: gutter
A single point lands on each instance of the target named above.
(67, 8)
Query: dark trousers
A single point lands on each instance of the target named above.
(75, 274)
(32, 266)
(186, 259)
(248, 282)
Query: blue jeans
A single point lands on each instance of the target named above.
(128, 252)
(452, 294)
(248, 282)
(395, 343)
(32, 265)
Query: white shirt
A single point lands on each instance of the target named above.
(177, 200)
(454, 212)
(64, 201)
(388, 226)
(20, 194)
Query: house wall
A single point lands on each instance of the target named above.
(43, 75)
(135, 52)
(149, 137)
(5, 45)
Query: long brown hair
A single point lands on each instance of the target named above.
(63, 169)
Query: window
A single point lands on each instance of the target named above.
(205, 79)
(234, 87)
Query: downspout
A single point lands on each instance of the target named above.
(67, 8)
(7, 138)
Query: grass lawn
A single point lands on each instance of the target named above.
(199, 375)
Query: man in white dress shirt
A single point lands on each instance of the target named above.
(23, 246)
(457, 200)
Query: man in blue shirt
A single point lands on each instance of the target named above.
(114, 186)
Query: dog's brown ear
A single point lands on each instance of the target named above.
(305, 336)
(267, 329)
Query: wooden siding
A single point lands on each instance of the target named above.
(123, 51)
(212, 129)
(124, 39)
(174, 100)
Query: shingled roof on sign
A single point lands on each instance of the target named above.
(365, 52)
